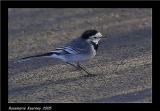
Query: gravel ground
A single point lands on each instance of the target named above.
(123, 65)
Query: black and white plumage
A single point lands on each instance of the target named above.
(79, 49)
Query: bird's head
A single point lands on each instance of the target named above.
(92, 36)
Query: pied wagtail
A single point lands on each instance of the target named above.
(79, 49)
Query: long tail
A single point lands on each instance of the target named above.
(40, 55)
(35, 56)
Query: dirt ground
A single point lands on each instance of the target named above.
(123, 64)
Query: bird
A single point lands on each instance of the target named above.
(79, 49)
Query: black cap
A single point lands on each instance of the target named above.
(88, 33)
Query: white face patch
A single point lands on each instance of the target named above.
(95, 38)
(98, 34)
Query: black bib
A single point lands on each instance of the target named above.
(95, 45)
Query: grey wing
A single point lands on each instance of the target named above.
(79, 46)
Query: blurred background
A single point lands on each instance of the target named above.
(123, 63)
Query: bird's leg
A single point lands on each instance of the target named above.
(89, 74)
(72, 65)
(78, 66)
